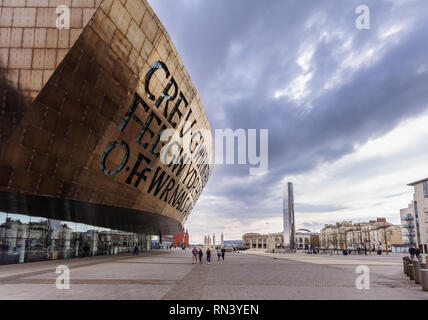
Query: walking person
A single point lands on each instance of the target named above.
(417, 252)
(223, 251)
(209, 256)
(412, 252)
(86, 249)
(200, 255)
(218, 254)
(195, 253)
(136, 249)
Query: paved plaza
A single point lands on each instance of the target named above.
(250, 275)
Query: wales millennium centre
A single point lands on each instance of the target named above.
(87, 89)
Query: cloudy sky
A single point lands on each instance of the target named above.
(346, 109)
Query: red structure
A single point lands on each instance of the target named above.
(181, 238)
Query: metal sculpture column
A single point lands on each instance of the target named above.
(288, 218)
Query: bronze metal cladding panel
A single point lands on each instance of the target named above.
(82, 114)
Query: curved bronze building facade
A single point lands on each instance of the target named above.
(88, 88)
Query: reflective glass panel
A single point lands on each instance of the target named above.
(3, 243)
(17, 232)
(38, 239)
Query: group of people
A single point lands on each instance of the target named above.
(358, 251)
(199, 253)
(414, 251)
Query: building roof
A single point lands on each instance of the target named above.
(417, 182)
(303, 230)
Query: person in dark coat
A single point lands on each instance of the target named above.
(86, 249)
(200, 255)
(209, 256)
(223, 251)
(417, 252)
(412, 252)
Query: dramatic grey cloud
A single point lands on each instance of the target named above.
(322, 87)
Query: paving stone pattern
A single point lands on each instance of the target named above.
(171, 275)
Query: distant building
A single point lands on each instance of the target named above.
(408, 228)
(305, 237)
(414, 218)
(209, 242)
(372, 235)
(275, 241)
(255, 240)
(181, 238)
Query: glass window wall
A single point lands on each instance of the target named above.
(29, 239)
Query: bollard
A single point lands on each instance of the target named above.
(417, 271)
(408, 263)
(411, 271)
(405, 265)
(422, 266)
(424, 279)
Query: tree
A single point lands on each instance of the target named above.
(314, 240)
(367, 239)
(360, 237)
(323, 240)
(385, 235)
(335, 240)
(343, 238)
(357, 239)
(329, 239)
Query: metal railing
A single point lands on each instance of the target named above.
(411, 234)
(408, 225)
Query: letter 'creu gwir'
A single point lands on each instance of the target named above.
(83, 108)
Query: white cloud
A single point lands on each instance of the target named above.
(304, 60)
(296, 90)
(390, 31)
(372, 181)
(368, 183)
(239, 62)
(208, 222)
